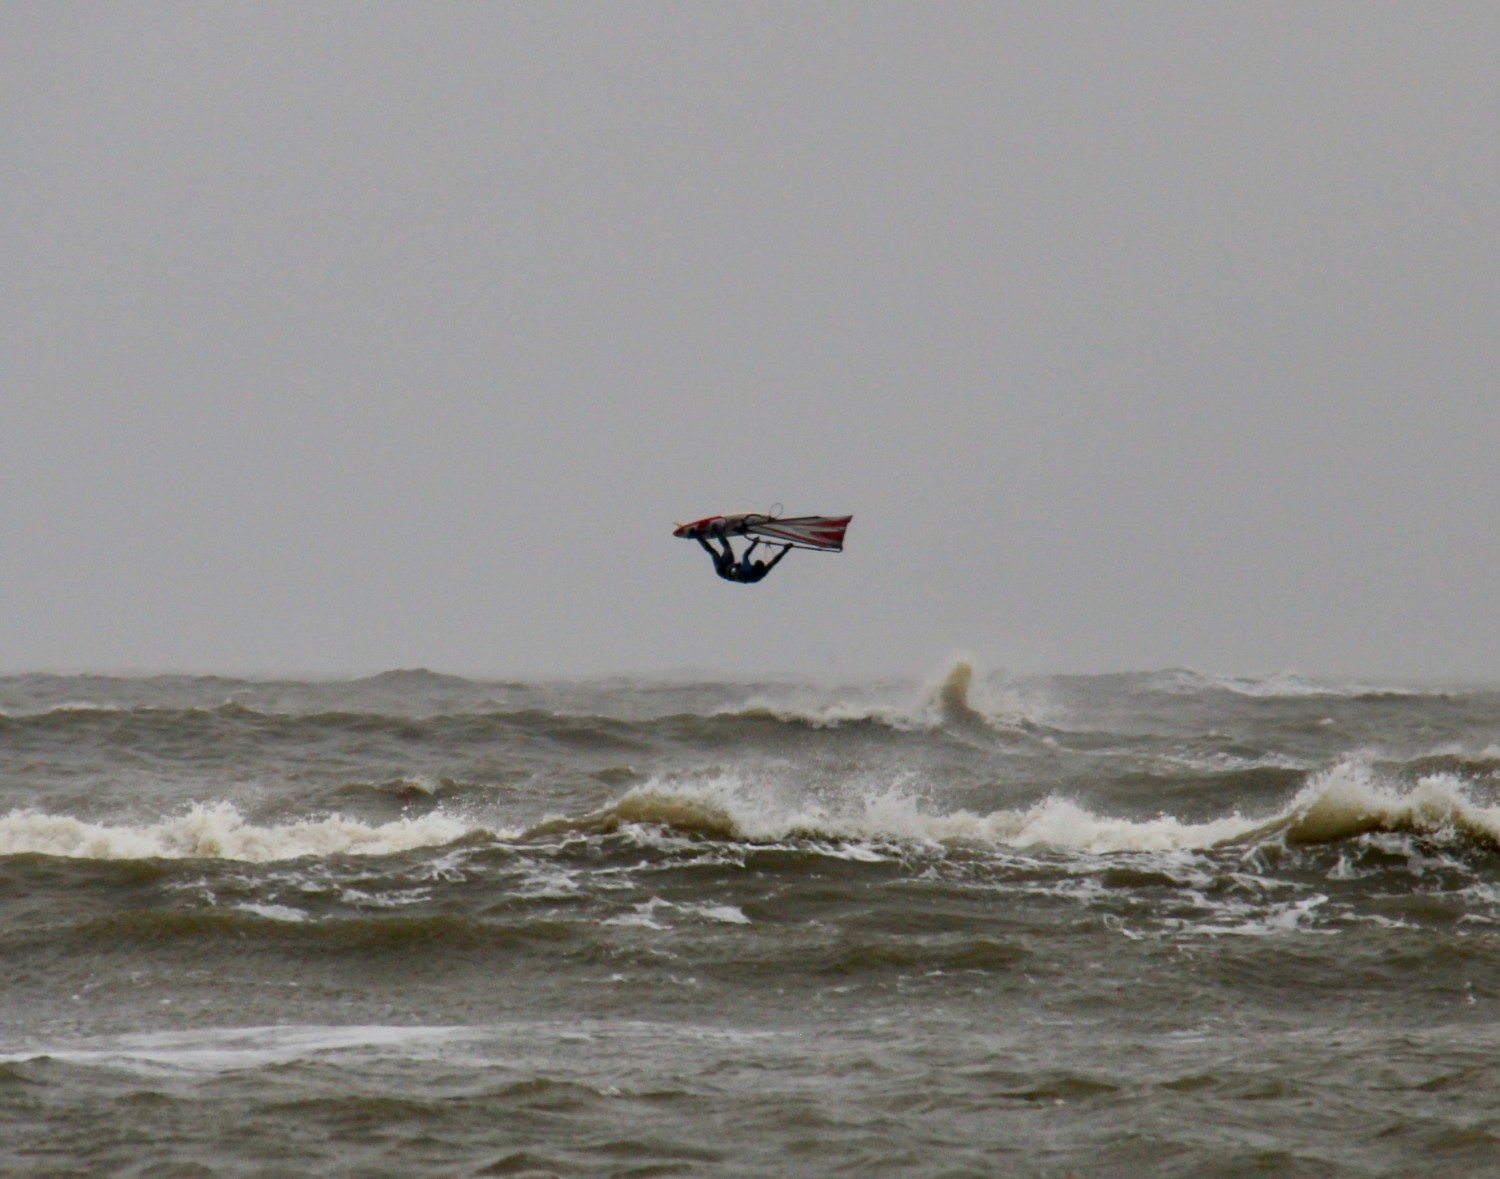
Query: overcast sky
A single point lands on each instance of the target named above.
(341, 337)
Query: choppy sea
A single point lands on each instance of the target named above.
(1155, 924)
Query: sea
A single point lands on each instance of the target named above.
(1076, 927)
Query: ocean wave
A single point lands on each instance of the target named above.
(570, 730)
(1273, 685)
(235, 721)
(415, 678)
(948, 702)
(495, 1045)
(219, 831)
(1341, 803)
(214, 1050)
(1352, 799)
(868, 820)
(725, 810)
(249, 927)
(956, 702)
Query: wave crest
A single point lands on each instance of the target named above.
(219, 832)
(946, 702)
(1344, 802)
(1350, 800)
(725, 809)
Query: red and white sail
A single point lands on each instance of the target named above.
(823, 533)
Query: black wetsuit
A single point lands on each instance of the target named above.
(742, 570)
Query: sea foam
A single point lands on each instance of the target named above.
(1351, 799)
(728, 808)
(1343, 802)
(219, 831)
(950, 700)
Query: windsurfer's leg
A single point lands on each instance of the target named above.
(724, 562)
(711, 551)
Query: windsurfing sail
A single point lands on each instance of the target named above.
(823, 534)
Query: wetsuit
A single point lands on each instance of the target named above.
(725, 564)
(744, 570)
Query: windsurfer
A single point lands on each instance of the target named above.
(741, 569)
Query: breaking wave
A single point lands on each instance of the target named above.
(1341, 803)
(724, 810)
(953, 702)
(220, 832)
(949, 702)
(1349, 800)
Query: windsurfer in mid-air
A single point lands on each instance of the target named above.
(823, 534)
(741, 569)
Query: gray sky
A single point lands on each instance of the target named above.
(339, 337)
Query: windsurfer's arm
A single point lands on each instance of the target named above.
(785, 549)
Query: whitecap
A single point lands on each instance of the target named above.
(219, 831)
